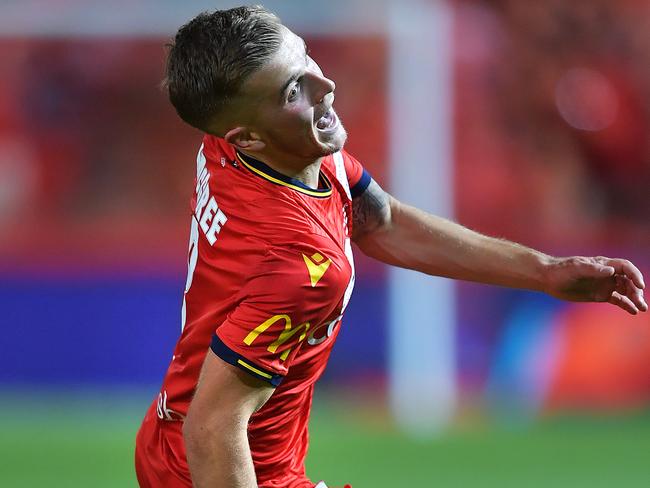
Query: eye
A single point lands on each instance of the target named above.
(293, 92)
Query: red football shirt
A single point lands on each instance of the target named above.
(270, 274)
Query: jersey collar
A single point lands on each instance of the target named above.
(265, 171)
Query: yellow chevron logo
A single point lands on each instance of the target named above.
(316, 267)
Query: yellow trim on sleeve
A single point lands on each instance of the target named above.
(254, 369)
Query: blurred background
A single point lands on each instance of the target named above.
(547, 133)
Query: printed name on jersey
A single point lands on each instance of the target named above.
(210, 217)
(316, 266)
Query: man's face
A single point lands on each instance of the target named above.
(291, 102)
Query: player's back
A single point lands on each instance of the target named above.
(269, 274)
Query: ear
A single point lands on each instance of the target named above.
(243, 138)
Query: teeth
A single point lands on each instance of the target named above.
(324, 121)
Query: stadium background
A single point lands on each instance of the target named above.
(551, 117)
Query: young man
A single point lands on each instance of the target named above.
(276, 203)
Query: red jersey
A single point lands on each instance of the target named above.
(270, 274)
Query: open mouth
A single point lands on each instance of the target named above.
(328, 121)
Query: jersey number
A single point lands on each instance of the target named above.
(193, 256)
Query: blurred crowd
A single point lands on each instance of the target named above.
(554, 118)
(95, 166)
(87, 145)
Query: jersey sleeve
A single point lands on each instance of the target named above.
(276, 311)
(358, 177)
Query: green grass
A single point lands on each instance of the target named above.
(71, 441)
(566, 452)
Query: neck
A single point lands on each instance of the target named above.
(306, 171)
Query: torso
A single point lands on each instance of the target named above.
(240, 215)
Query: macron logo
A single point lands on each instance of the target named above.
(317, 266)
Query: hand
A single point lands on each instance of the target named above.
(599, 279)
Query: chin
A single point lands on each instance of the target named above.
(335, 142)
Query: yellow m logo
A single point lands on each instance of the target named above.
(316, 266)
(286, 334)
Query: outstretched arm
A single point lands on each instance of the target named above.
(404, 236)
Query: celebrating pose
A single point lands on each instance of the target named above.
(276, 204)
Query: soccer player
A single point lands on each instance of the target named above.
(277, 201)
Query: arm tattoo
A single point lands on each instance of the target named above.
(370, 211)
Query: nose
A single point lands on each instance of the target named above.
(331, 86)
(321, 87)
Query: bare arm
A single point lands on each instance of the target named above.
(404, 236)
(215, 430)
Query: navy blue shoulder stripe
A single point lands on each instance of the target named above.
(361, 185)
(230, 356)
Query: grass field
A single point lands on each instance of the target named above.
(80, 440)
